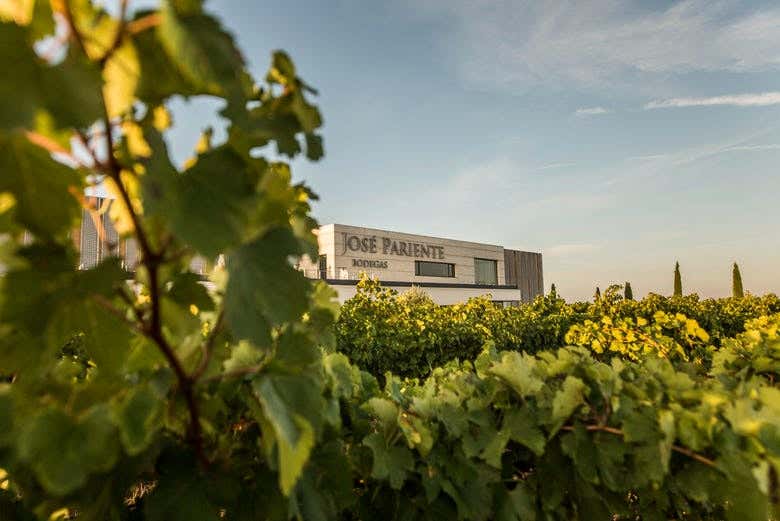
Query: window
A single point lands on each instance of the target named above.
(486, 272)
(323, 266)
(434, 269)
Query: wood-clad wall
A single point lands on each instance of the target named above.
(524, 269)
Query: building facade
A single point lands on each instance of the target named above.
(449, 270)
(97, 239)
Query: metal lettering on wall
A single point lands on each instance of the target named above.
(389, 246)
(365, 263)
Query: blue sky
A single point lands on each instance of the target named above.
(615, 137)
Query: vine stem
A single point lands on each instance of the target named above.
(74, 31)
(144, 23)
(150, 259)
(208, 347)
(109, 306)
(676, 448)
(694, 455)
(236, 373)
(50, 145)
(120, 34)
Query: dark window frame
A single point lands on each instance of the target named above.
(322, 266)
(419, 263)
(495, 263)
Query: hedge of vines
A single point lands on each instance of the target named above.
(512, 436)
(409, 335)
(159, 399)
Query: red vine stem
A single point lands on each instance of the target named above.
(617, 432)
(120, 34)
(150, 258)
(142, 24)
(74, 31)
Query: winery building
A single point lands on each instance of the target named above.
(448, 270)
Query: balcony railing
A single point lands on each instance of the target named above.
(337, 274)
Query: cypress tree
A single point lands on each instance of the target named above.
(736, 283)
(628, 293)
(677, 281)
(553, 291)
(597, 296)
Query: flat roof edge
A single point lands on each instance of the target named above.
(334, 225)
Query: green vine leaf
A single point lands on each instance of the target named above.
(211, 203)
(181, 494)
(390, 462)
(138, 418)
(36, 14)
(35, 180)
(287, 403)
(64, 452)
(566, 401)
(263, 289)
(6, 415)
(55, 97)
(202, 52)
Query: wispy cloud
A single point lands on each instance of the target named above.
(502, 182)
(563, 250)
(654, 168)
(752, 148)
(692, 154)
(522, 43)
(477, 182)
(570, 203)
(737, 100)
(551, 166)
(652, 157)
(658, 166)
(591, 111)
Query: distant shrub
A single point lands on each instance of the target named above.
(408, 334)
(676, 337)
